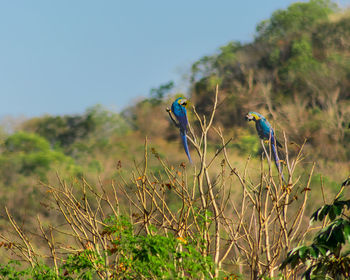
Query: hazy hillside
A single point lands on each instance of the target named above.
(296, 72)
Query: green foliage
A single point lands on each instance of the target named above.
(301, 61)
(82, 265)
(79, 266)
(135, 257)
(14, 270)
(298, 64)
(324, 257)
(28, 153)
(319, 179)
(297, 17)
(153, 255)
(69, 131)
(63, 131)
(227, 58)
(214, 66)
(44, 272)
(247, 144)
(95, 166)
(275, 56)
(107, 122)
(11, 271)
(25, 142)
(331, 210)
(158, 94)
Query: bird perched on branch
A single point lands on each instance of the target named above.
(178, 108)
(266, 132)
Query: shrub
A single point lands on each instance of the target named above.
(326, 257)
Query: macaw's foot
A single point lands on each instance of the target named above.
(282, 161)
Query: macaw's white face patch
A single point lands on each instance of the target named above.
(183, 102)
(252, 116)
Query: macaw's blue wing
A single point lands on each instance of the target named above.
(276, 159)
(183, 122)
(184, 143)
(264, 130)
(182, 119)
(273, 140)
(181, 116)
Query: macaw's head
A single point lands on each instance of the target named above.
(253, 116)
(182, 101)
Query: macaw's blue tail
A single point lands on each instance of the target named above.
(277, 160)
(184, 142)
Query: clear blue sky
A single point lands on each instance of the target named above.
(63, 56)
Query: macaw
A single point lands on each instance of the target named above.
(178, 108)
(265, 132)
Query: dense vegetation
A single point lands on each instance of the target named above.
(296, 72)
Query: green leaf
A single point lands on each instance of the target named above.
(332, 213)
(294, 261)
(323, 212)
(347, 231)
(314, 216)
(339, 235)
(338, 208)
(314, 251)
(323, 249)
(303, 252)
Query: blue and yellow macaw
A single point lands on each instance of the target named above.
(265, 132)
(178, 108)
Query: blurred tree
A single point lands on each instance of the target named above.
(148, 116)
(96, 124)
(297, 69)
(28, 154)
(298, 17)
(61, 130)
